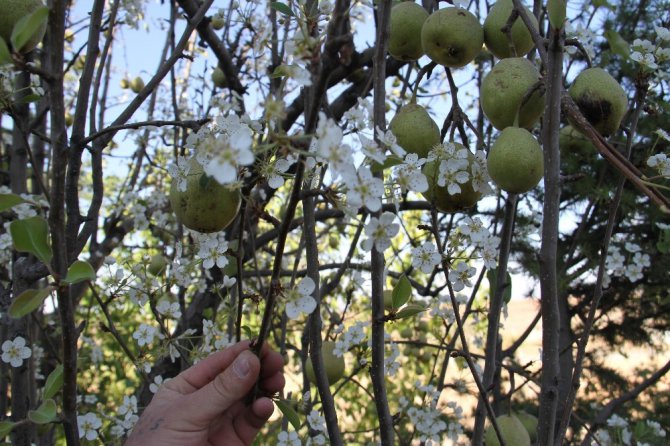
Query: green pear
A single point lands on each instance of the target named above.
(516, 161)
(219, 78)
(137, 84)
(157, 265)
(512, 432)
(496, 41)
(530, 423)
(503, 90)
(415, 130)
(600, 98)
(440, 196)
(334, 364)
(205, 205)
(452, 37)
(405, 31)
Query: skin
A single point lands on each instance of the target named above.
(205, 404)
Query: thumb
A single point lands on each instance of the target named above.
(226, 389)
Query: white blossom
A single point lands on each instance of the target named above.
(425, 257)
(15, 352)
(367, 190)
(88, 426)
(145, 334)
(300, 300)
(380, 232)
(460, 276)
(287, 438)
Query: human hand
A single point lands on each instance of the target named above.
(204, 405)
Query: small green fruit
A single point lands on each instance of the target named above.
(205, 205)
(218, 22)
(415, 130)
(334, 364)
(452, 37)
(496, 41)
(440, 196)
(530, 423)
(407, 18)
(12, 12)
(69, 119)
(600, 98)
(516, 162)
(137, 84)
(504, 88)
(124, 83)
(219, 78)
(512, 432)
(157, 265)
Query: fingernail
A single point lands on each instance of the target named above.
(241, 366)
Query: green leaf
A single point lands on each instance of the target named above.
(8, 201)
(54, 382)
(28, 27)
(44, 414)
(280, 71)
(617, 43)
(5, 428)
(598, 3)
(402, 292)
(492, 275)
(281, 7)
(5, 55)
(31, 235)
(79, 271)
(32, 97)
(28, 301)
(556, 10)
(291, 415)
(409, 311)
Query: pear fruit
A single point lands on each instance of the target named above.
(407, 19)
(219, 78)
(516, 162)
(12, 12)
(503, 90)
(334, 364)
(452, 37)
(205, 205)
(512, 432)
(137, 84)
(600, 98)
(415, 130)
(157, 265)
(496, 41)
(440, 196)
(530, 423)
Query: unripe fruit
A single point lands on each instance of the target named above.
(219, 78)
(516, 162)
(503, 90)
(530, 423)
(571, 140)
(137, 84)
(205, 205)
(157, 265)
(12, 12)
(69, 119)
(415, 130)
(218, 22)
(600, 98)
(440, 196)
(452, 37)
(124, 83)
(407, 18)
(334, 365)
(496, 41)
(512, 432)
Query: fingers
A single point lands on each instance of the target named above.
(206, 370)
(252, 419)
(226, 389)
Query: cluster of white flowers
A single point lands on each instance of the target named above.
(425, 257)
(408, 175)
(619, 431)
(379, 232)
(288, 438)
(89, 424)
(359, 117)
(652, 55)
(299, 299)
(317, 424)
(275, 169)
(168, 308)
(460, 276)
(478, 236)
(128, 411)
(585, 36)
(629, 263)
(391, 362)
(14, 352)
(660, 161)
(212, 249)
(213, 338)
(145, 334)
(427, 418)
(350, 337)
